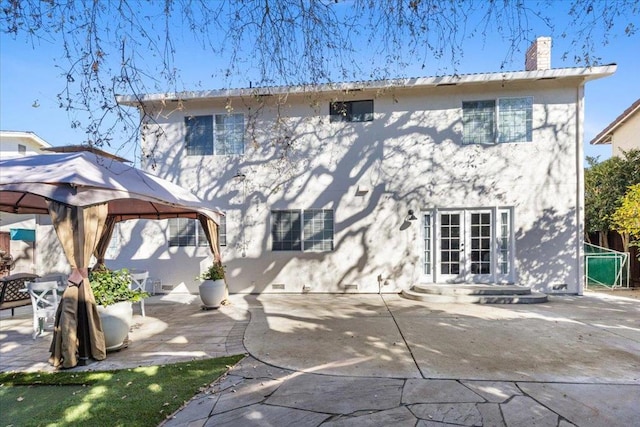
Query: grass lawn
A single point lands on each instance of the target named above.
(128, 397)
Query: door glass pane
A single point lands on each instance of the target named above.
(480, 243)
(450, 243)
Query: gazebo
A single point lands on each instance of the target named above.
(86, 194)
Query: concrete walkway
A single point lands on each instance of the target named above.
(380, 360)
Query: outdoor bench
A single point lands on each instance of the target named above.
(11, 293)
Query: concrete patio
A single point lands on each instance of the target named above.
(379, 360)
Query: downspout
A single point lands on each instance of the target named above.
(580, 187)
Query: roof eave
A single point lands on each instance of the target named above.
(26, 135)
(586, 74)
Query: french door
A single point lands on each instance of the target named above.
(467, 246)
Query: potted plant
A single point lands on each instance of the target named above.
(213, 286)
(114, 298)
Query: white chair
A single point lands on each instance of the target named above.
(139, 282)
(44, 302)
(60, 278)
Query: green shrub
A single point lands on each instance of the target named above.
(112, 286)
(215, 272)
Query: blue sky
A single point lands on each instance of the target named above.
(30, 79)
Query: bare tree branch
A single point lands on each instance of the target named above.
(111, 47)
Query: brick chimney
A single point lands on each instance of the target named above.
(538, 55)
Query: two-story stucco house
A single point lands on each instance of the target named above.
(376, 186)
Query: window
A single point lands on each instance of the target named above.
(285, 231)
(515, 119)
(309, 231)
(229, 134)
(221, 134)
(189, 232)
(351, 111)
(427, 244)
(222, 231)
(501, 121)
(199, 137)
(114, 243)
(22, 149)
(504, 243)
(478, 119)
(318, 230)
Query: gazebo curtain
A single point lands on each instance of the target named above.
(78, 331)
(211, 230)
(105, 239)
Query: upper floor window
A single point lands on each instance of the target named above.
(351, 111)
(310, 230)
(220, 134)
(189, 232)
(497, 121)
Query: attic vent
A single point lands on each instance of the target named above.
(278, 286)
(350, 287)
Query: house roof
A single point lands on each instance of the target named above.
(588, 73)
(605, 136)
(25, 135)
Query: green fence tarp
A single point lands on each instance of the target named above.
(605, 267)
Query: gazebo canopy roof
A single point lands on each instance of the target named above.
(86, 179)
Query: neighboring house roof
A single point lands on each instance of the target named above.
(452, 80)
(10, 134)
(606, 135)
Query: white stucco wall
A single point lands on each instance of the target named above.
(627, 136)
(410, 157)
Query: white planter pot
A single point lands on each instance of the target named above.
(116, 321)
(212, 293)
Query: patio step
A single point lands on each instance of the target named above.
(474, 294)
